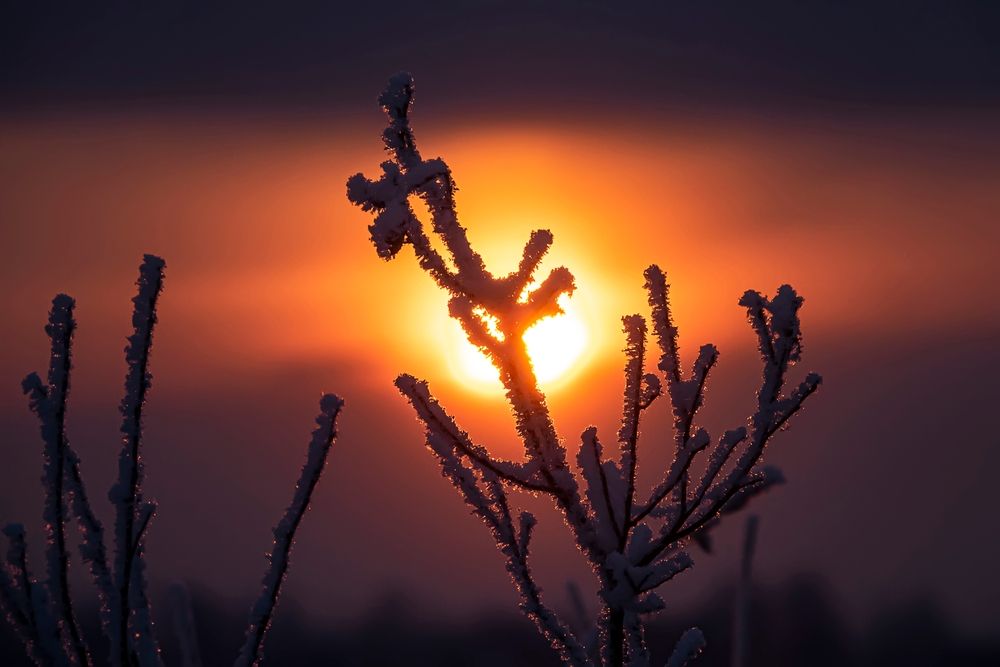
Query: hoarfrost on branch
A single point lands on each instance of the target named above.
(634, 542)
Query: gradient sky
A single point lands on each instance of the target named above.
(852, 150)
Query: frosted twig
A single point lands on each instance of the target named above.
(284, 533)
(605, 490)
(92, 538)
(16, 597)
(126, 493)
(583, 624)
(514, 545)
(635, 636)
(145, 649)
(676, 473)
(611, 527)
(48, 402)
(687, 648)
(42, 615)
(441, 425)
(628, 434)
(716, 460)
(686, 396)
(779, 339)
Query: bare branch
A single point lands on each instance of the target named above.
(687, 648)
(463, 309)
(16, 597)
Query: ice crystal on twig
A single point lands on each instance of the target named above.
(691, 643)
(284, 533)
(634, 543)
(42, 613)
(130, 611)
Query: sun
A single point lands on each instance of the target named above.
(555, 345)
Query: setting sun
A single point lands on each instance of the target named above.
(555, 344)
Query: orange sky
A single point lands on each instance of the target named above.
(275, 293)
(256, 230)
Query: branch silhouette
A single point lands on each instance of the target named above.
(42, 613)
(633, 544)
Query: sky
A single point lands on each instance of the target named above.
(850, 149)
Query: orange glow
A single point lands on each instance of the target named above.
(556, 346)
(268, 261)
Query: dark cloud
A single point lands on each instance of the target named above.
(321, 55)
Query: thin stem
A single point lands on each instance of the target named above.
(48, 402)
(126, 494)
(284, 533)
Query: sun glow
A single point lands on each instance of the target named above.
(555, 346)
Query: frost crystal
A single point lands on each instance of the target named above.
(42, 612)
(634, 543)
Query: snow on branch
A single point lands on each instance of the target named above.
(479, 479)
(448, 441)
(17, 593)
(633, 546)
(126, 493)
(687, 648)
(48, 402)
(284, 533)
(41, 613)
(635, 393)
(605, 488)
(395, 224)
(92, 548)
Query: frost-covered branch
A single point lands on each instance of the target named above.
(606, 489)
(284, 533)
(17, 600)
(126, 493)
(687, 648)
(514, 544)
(48, 402)
(686, 395)
(92, 548)
(633, 545)
(42, 613)
(776, 323)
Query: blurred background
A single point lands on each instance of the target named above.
(850, 149)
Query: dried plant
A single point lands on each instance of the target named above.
(43, 613)
(634, 543)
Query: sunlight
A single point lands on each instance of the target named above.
(555, 344)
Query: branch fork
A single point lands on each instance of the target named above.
(633, 545)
